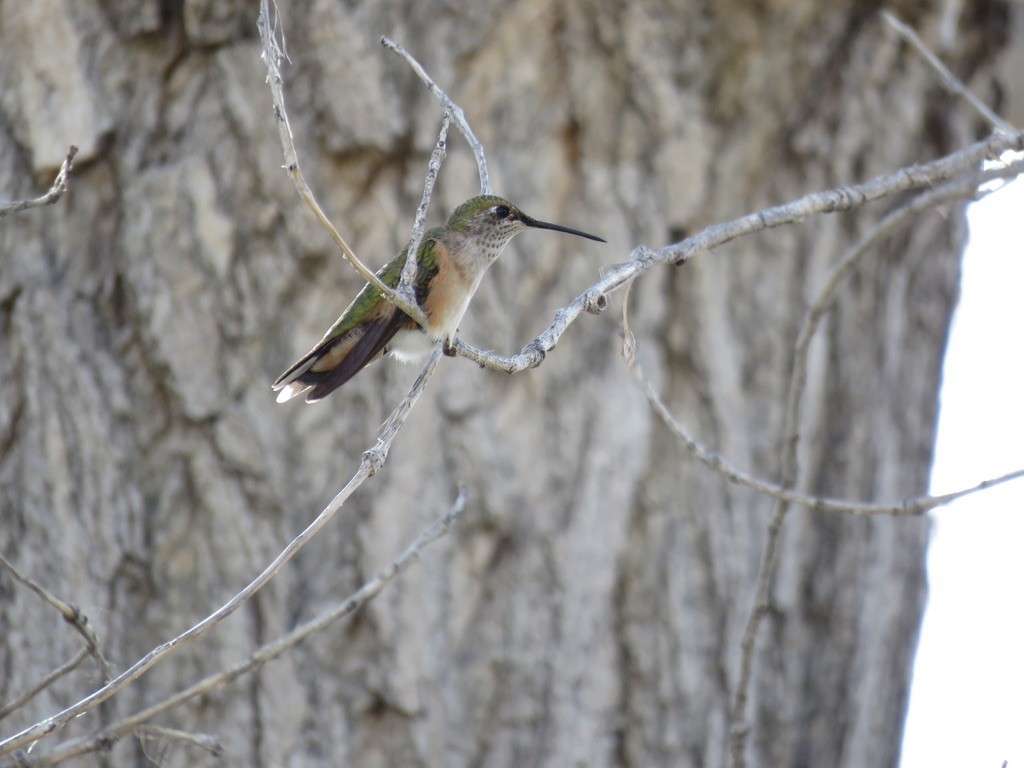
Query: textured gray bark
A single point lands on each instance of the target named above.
(588, 608)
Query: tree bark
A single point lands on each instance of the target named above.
(589, 606)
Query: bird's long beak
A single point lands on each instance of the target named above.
(559, 228)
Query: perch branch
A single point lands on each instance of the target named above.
(262, 655)
(593, 299)
(56, 191)
(272, 54)
(371, 463)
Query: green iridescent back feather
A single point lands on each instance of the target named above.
(390, 274)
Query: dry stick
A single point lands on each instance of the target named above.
(952, 83)
(643, 258)
(56, 191)
(906, 508)
(72, 615)
(957, 190)
(371, 463)
(204, 741)
(419, 222)
(450, 106)
(16, 703)
(272, 55)
(265, 653)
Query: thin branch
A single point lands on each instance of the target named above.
(56, 191)
(265, 653)
(16, 703)
(272, 55)
(907, 508)
(71, 613)
(957, 190)
(449, 106)
(420, 222)
(205, 741)
(594, 298)
(371, 463)
(951, 82)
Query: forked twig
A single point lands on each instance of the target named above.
(71, 614)
(262, 655)
(372, 461)
(449, 106)
(272, 55)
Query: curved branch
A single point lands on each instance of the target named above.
(917, 505)
(450, 106)
(53, 194)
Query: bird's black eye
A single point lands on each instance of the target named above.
(502, 211)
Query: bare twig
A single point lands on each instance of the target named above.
(56, 191)
(372, 461)
(272, 55)
(205, 741)
(906, 508)
(262, 655)
(966, 188)
(450, 106)
(643, 258)
(71, 613)
(20, 701)
(951, 82)
(433, 167)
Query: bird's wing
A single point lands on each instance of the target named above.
(357, 337)
(365, 350)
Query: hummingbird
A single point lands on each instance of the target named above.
(450, 261)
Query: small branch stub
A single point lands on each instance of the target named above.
(596, 302)
(53, 194)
